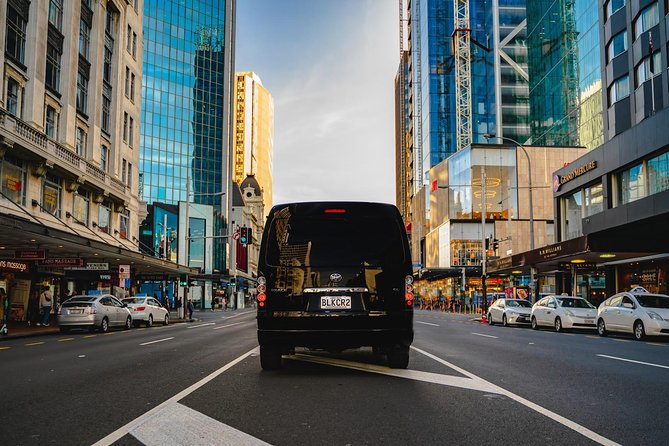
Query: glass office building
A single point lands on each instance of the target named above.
(565, 73)
(186, 94)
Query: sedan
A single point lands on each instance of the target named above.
(563, 312)
(510, 311)
(637, 312)
(147, 310)
(101, 312)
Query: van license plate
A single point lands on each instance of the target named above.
(335, 302)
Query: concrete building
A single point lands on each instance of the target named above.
(254, 134)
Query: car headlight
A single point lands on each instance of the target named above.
(569, 313)
(654, 315)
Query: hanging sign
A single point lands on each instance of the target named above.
(69, 261)
(29, 254)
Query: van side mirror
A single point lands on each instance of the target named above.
(628, 305)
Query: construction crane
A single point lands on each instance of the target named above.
(463, 73)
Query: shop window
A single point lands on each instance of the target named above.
(81, 206)
(647, 18)
(573, 213)
(13, 173)
(617, 46)
(124, 223)
(658, 173)
(15, 37)
(51, 122)
(51, 194)
(104, 217)
(631, 184)
(13, 93)
(594, 199)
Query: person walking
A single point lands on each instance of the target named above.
(4, 304)
(191, 308)
(45, 302)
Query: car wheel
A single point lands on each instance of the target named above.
(490, 321)
(270, 358)
(166, 321)
(104, 325)
(149, 321)
(558, 324)
(398, 357)
(504, 321)
(534, 323)
(128, 323)
(64, 329)
(639, 331)
(601, 327)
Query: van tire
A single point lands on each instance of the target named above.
(398, 357)
(270, 358)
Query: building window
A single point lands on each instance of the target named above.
(13, 174)
(594, 199)
(649, 67)
(573, 213)
(51, 122)
(56, 13)
(127, 82)
(125, 126)
(109, 23)
(613, 6)
(658, 173)
(647, 18)
(82, 92)
(81, 206)
(124, 219)
(131, 131)
(52, 67)
(619, 90)
(617, 45)
(51, 192)
(631, 184)
(124, 170)
(104, 217)
(104, 157)
(129, 177)
(107, 66)
(15, 45)
(132, 87)
(80, 141)
(84, 38)
(128, 43)
(105, 116)
(13, 89)
(134, 45)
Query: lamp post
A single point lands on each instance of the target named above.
(533, 270)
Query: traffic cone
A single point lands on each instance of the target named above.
(483, 318)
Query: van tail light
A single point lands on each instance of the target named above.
(261, 298)
(93, 309)
(335, 211)
(261, 304)
(408, 290)
(140, 308)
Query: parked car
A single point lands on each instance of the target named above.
(93, 312)
(637, 311)
(510, 311)
(563, 312)
(147, 310)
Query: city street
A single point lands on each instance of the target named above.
(201, 383)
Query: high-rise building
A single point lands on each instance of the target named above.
(186, 107)
(403, 179)
(565, 73)
(254, 134)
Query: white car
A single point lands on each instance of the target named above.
(563, 312)
(636, 311)
(147, 310)
(510, 311)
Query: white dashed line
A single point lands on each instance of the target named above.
(635, 362)
(485, 335)
(159, 340)
(202, 325)
(426, 323)
(228, 325)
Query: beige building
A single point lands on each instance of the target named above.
(69, 116)
(254, 134)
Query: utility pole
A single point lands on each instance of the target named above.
(182, 310)
(484, 303)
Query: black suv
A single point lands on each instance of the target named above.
(334, 276)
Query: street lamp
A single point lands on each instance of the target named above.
(489, 136)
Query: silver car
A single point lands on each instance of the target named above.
(510, 311)
(147, 310)
(93, 312)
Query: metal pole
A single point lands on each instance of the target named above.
(186, 249)
(533, 269)
(484, 292)
(165, 236)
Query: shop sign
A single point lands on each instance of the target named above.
(21, 267)
(90, 266)
(559, 180)
(647, 277)
(7, 255)
(30, 254)
(59, 262)
(150, 277)
(586, 266)
(105, 276)
(13, 184)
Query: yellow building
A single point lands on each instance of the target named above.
(254, 134)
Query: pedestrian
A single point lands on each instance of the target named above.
(45, 302)
(213, 303)
(191, 308)
(4, 304)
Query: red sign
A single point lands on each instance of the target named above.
(29, 254)
(61, 262)
(11, 265)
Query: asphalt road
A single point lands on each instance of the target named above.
(201, 383)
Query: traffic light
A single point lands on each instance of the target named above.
(244, 236)
(495, 244)
(487, 243)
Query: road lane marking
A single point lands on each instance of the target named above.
(621, 340)
(594, 436)
(202, 325)
(237, 315)
(35, 343)
(66, 339)
(123, 430)
(110, 334)
(426, 323)
(485, 335)
(176, 422)
(159, 340)
(228, 325)
(656, 344)
(592, 337)
(89, 336)
(635, 362)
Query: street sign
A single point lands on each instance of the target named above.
(124, 271)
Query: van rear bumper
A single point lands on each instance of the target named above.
(336, 332)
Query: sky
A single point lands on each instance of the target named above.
(330, 66)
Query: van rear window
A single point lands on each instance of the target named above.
(356, 237)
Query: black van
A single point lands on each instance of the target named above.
(334, 276)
